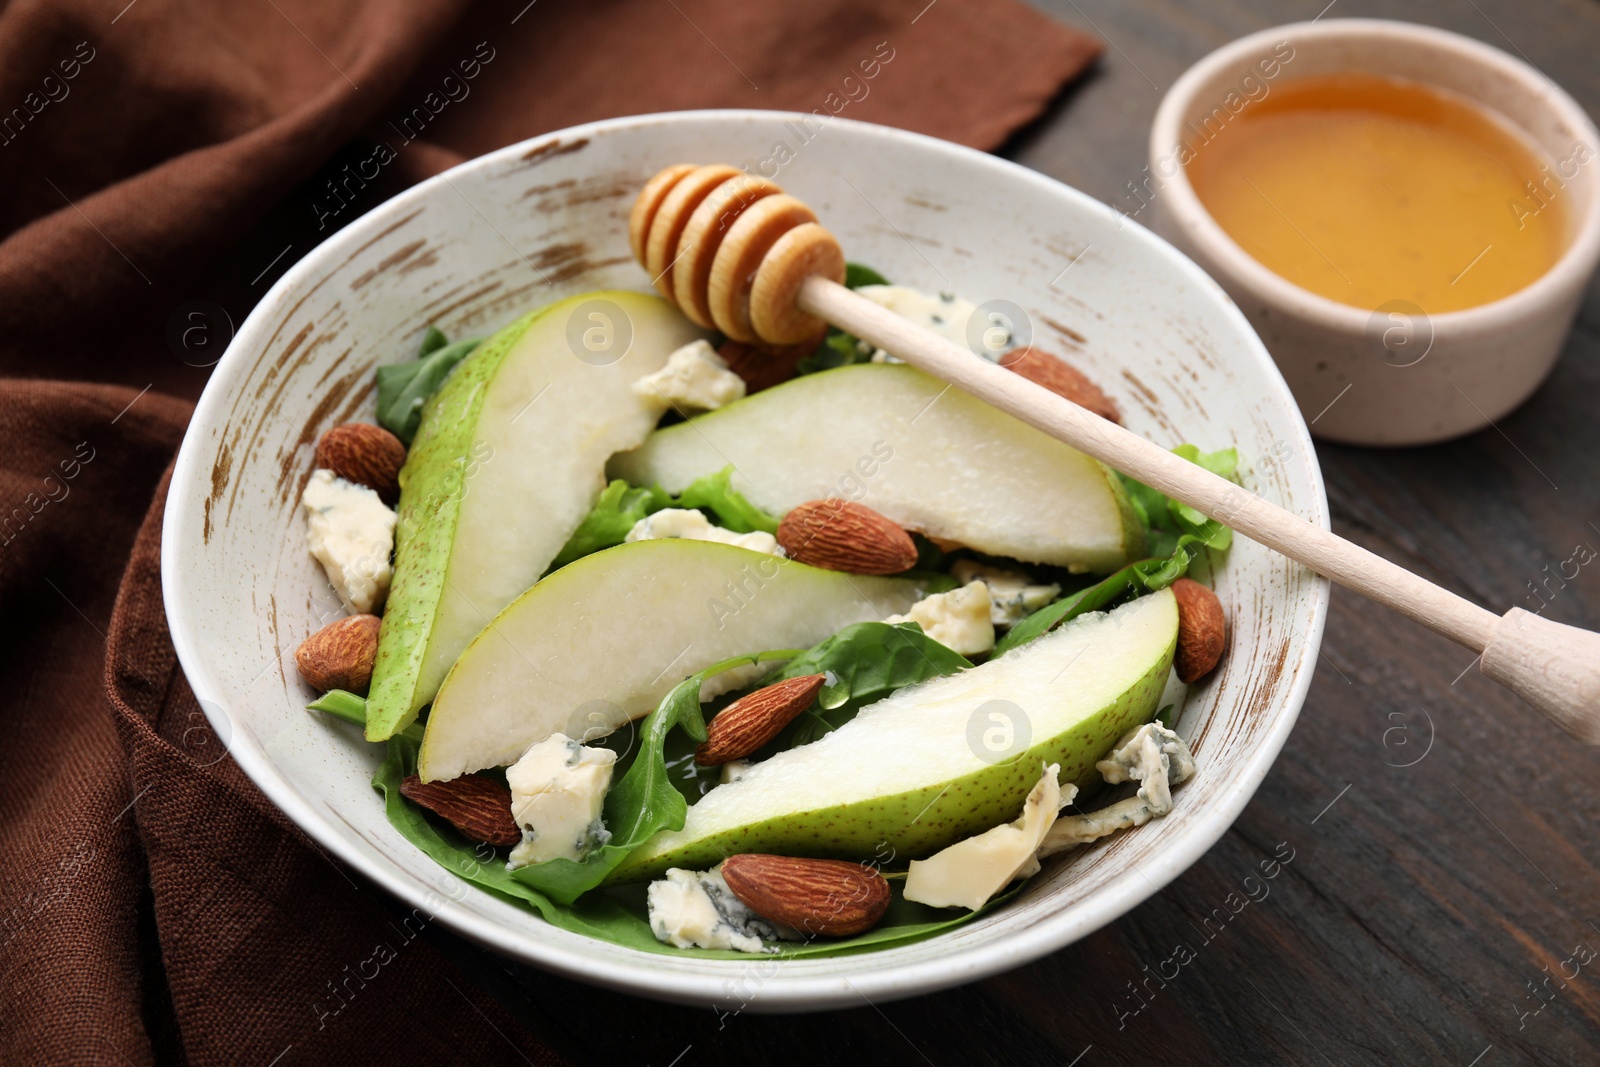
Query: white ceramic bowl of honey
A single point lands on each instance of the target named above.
(1409, 218)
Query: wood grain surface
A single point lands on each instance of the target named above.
(1443, 835)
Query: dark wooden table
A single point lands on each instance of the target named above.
(1445, 836)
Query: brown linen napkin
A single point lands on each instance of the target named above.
(154, 907)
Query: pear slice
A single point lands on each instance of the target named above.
(600, 641)
(928, 456)
(937, 762)
(507, 461)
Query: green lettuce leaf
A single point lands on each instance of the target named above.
(1145, 576)
(858, 274)
(865, 663)
(644, 800)
(432, 340)
(1177, 532)
(1097, 597)
(621, 505)
(838, 349)
(618, 915)
(483, 866)
(608, 522)
(350, 707)
(1167, 521)
(404, 387)
(871, 658)
(729, 508)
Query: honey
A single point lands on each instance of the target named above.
(1371, 190)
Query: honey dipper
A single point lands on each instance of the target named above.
(737, 254)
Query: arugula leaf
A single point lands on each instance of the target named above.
(1041, 622)
(644, 800)
(1155, 574)
(342, 704)
(433, 340)
(858, 274)
(1145, 576)
(1167, 521)
(864, 663)
(1176, 534)
(621, 505)
(868, 662)
(618, 915)
(480, 864)
(838, 349)
(404, 387)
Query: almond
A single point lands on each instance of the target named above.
(365, 454)
(833, 897)
(479, 807)
(1202, 630)
(762, 365)
(753, 720)
(839, 535)
(341, 654)
(1062, 379)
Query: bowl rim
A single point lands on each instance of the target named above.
(1570, 271)
(780, 993)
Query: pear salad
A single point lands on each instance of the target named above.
(705, 647)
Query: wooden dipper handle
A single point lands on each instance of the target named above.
(737, 253)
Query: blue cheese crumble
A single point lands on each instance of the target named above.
(734, 770)
(558, 788)
(947, 315)
(1152, 755)
(696, 909)
(691, 524)
(694, 378)
(1012, 595)
(351, 533)
(959, 620)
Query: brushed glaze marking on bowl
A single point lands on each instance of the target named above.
(241, 590)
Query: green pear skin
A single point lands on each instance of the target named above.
(508, 459)
(911, 773)
(601, 641)
(907, 445)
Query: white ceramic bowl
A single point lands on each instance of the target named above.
(1411, 377)
(472, 248)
